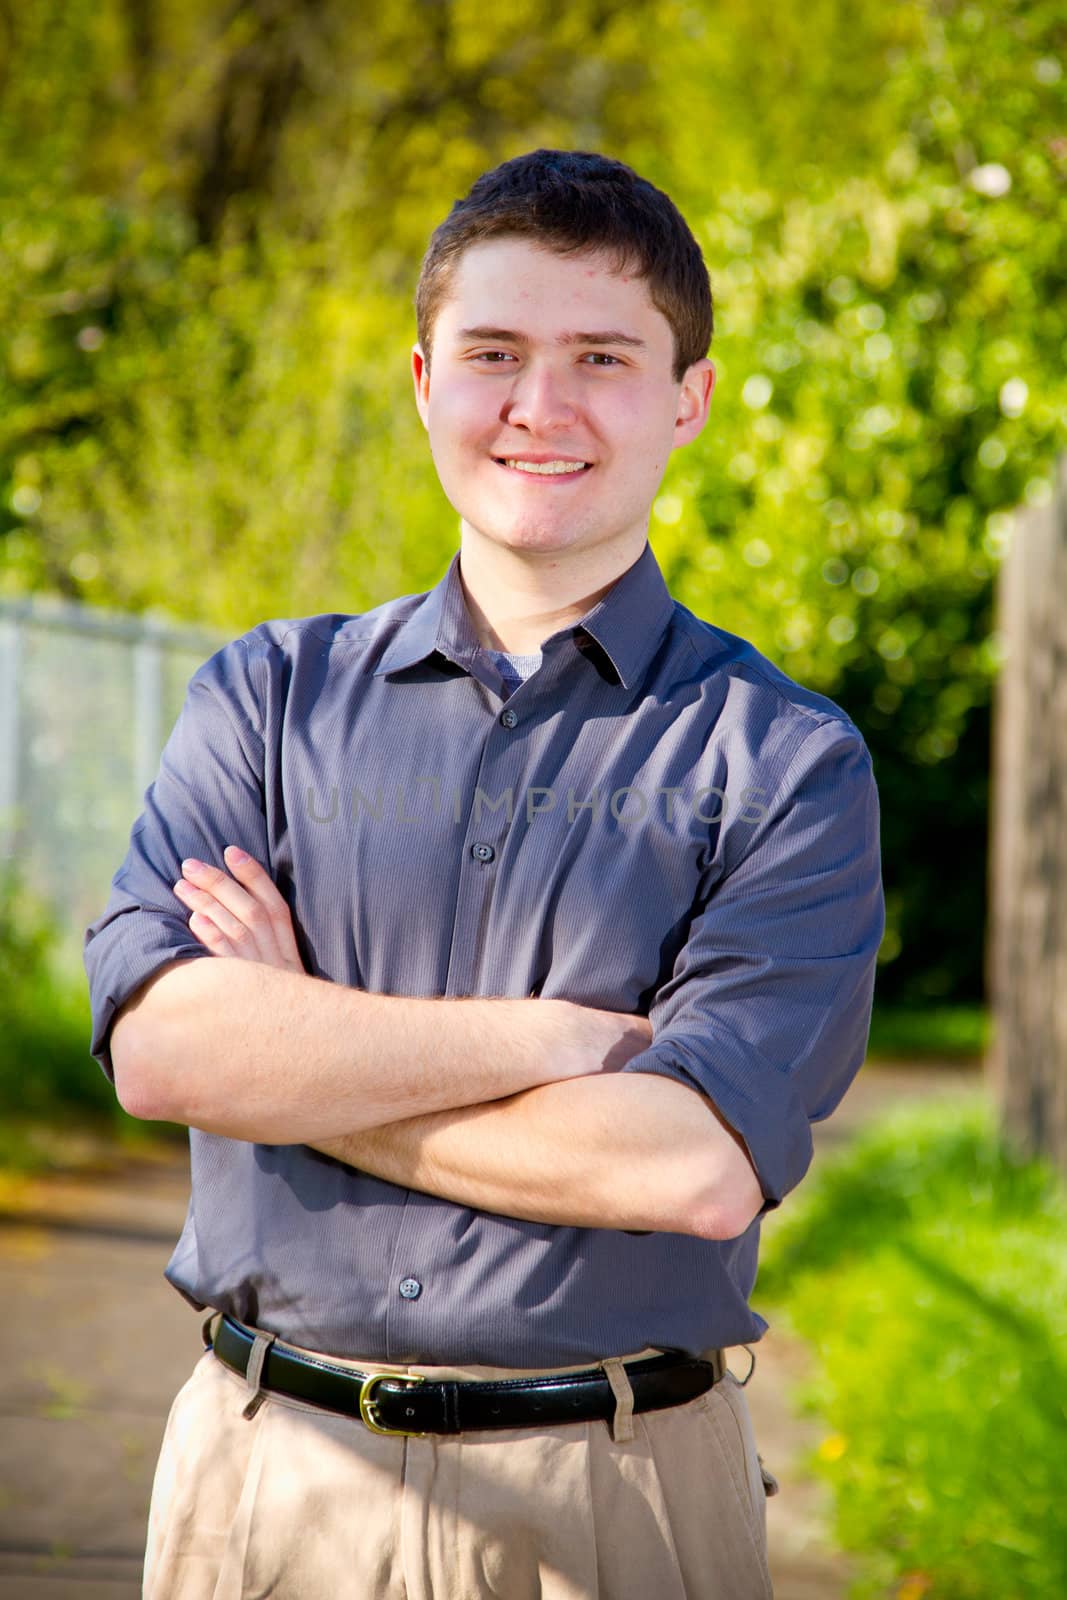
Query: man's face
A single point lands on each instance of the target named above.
(518, 375)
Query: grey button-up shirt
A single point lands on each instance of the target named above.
(658, 821)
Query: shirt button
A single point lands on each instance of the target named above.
(410, 1288)
(509, 718)
(482, 852)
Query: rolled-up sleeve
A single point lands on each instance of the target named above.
(767, 1010)
(208, 794)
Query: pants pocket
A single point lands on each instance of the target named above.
(727, 1411)
(686, 1464)
(739, 1450)
(208, 1449)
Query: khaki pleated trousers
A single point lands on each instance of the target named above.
(294, 1503)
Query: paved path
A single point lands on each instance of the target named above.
(86, 1381)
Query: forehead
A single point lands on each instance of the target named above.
(517, 284)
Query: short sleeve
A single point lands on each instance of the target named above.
(207, 794)
(767, 1010)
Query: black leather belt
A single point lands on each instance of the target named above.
(402, 1403)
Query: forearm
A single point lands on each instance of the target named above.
(626, 1150)
(276, 1057)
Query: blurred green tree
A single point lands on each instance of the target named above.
(891, 364)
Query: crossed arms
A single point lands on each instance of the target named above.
(539, 1109)
(511, 1106)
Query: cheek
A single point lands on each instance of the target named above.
(637, 419)
(461, 409)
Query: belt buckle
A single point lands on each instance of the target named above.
(367, 1405)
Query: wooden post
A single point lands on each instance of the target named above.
(1027, 945)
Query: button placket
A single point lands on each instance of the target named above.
(490, 813)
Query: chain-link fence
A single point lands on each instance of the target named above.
(87, 700)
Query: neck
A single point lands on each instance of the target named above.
(518, 598)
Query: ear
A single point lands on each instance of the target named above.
(694, 399)
(420, 373)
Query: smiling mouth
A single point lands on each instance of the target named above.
(544, 469)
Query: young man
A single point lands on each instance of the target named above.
(554, 930)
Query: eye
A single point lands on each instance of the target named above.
(602, 355)
(487, 355)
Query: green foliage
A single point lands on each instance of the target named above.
(903, 1033)
(926, 1267)
(251, 428)
(207, 278)
(57, 1110)
(207, 261)
(45, 1066)
(891, 384)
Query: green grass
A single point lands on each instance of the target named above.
(56, 1107)
(57, 1110)
(902, 1032)
(928, 1270)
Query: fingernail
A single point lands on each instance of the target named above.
(235, 853)
(192, 865)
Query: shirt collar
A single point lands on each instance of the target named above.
(630, 620)
(627, 623)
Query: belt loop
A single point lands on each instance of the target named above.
(254, 1371)
(716, 1360)
(622, 1423)
(206, 1333)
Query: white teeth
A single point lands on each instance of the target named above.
(547, 466)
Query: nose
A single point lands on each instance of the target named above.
(539, 398)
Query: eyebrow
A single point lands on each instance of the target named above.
(601, 336)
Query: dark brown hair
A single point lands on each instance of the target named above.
(571, 201)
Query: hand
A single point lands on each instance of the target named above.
(244, 916)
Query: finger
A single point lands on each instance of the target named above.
(233, 930)
(210, 936)
(242, 917)
(259, 883)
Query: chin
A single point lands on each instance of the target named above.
(525, 537)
